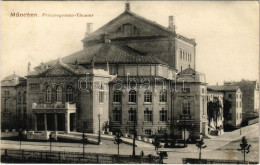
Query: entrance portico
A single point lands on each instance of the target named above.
(54, 117)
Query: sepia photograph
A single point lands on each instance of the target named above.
(130, 82)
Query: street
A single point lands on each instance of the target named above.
(219, 147)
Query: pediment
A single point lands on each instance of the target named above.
(58, 70)
(143, 26)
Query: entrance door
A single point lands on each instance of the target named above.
(40, 121)
(185, 134)
(61, 121)
(50, 122)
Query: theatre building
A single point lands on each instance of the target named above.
(127, 71)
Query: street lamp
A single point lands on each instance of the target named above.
(134, 134)
(83, 141)
(50, 140)
(20, 138)
(99, 135)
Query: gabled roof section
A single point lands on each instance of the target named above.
(189, 71)
(95, 35)
(59, 69)
(224, 88)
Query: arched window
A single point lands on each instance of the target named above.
(19, 97)
(185, 106)
(117, 98)
(48, 94)
(132, 96)
(128, 30)
(69, 94)
(148, 96)
(6, 106)
(59, 94)
(148, 115)
(163, 95)
(24, 98)
(131, 115)
(101, 94)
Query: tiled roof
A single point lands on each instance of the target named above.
(223, 88)
(108, 53)
(10, 80)
(114, 54)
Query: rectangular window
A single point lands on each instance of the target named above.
(240, 104)
(240, 115)
(148, 96)
(163, 115)
(148, 115)
(240, 96)
(148, 132)
(181, 54)
(131, 115)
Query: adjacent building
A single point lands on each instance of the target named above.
(232, 104)
(13, 102)
(250, 100)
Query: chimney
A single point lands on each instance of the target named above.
(171, 23)
(89, 29)
(29, 67)
(127, 6)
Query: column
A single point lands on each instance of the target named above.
(74, 124)
(55, 122)
(67, 122)
(35, 121)
(45, 122)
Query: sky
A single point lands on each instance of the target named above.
(226, 32)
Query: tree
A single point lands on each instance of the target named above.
(244, 147)
(200, 145)
(118, 140)
(214, 109)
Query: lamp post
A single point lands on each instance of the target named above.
(20, 138)
(83, 141)
(134, 134)
(99, 138)
(50, 140)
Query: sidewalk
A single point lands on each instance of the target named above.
(112, 138)
(228, 137)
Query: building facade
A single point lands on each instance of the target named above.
(250, 90)
(14, 103)
(132, 72)
(232, 104)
